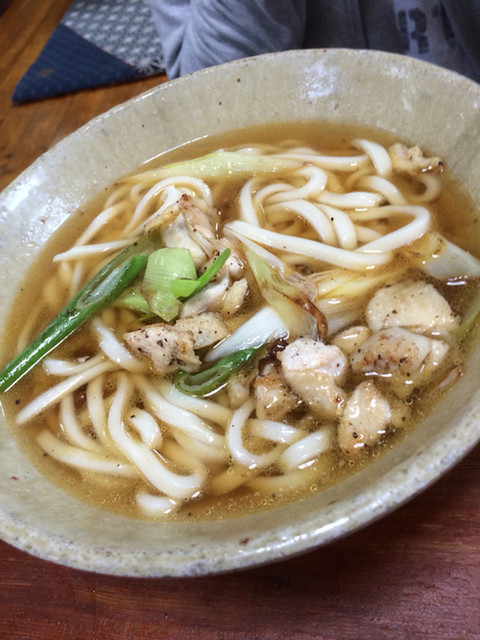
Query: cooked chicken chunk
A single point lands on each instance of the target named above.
(411, 160)
(177, 235)
(207, 328)
(350, 339)
(403, 358)
(314, 371)
(208, 298)
(234, 297)
(201, 221)
(415, 305)
(172, 347)
(167, 348)
(274, 398)
(365, 419)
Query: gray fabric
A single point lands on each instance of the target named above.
(464, 17)
(201, 33)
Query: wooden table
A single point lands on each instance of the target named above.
(414, 574)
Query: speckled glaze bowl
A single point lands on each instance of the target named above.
(422, 104)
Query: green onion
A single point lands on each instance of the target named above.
(102, 289)
(133, 299)
(164, 267)
(183, 288)
(209, 380)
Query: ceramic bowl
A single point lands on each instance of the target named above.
(435, 108)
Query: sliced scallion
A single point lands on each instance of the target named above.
(208, 381)
(183, 288)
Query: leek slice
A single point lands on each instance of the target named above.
(210, 380)
(299, 313)
(443, 259)
(164, 266)
(222, 165)
(184, 288)
(265, 326)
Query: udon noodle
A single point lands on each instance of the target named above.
(337, 288)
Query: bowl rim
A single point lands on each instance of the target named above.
(430, 464)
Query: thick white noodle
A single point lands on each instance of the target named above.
(81, 459)
(179, 418)
(309, 248)
(265, 192)
(234, 476)
(316, 182)
(378, 155)
(146, 427)
(235, 440)
(199, 450)
(400, 237)
(344, 228)
(350, 200)
(77, 279)
(248, 211)
(267, 256)
(72, 429)
(89, 250)
(297, 479)
(364, 234)
(206, 409)
(101, 220)
(144, 459)
(28, 326)
(52, 396)
(306, 449)
(432, 186)
(56, 367)
(275, 431)
(97, 407)
(156, 505)
(384, 187)
(114, 349)
(309, 212)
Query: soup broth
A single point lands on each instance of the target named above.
(348, 337)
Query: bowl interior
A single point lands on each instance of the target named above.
(394, 93)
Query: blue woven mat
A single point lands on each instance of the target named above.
(98, 42)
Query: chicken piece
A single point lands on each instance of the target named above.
(234, 266)
(208, 298)
(234, 297)
(207, 329)
(411, 160)
(415, 305)
(201, 220)
(177, 235)
(314, 371)
(350, 339)
(274, 398)
(167, 348)
(364, 421)
(402, 358)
